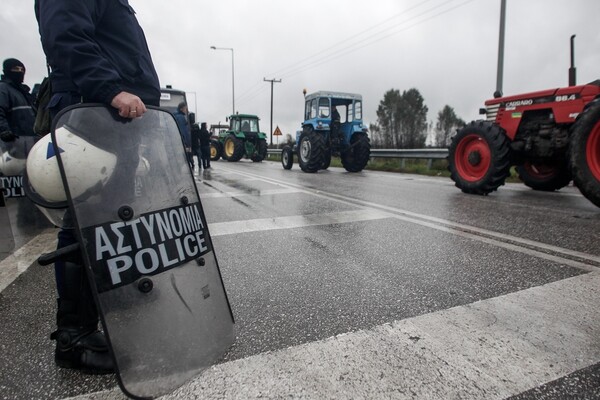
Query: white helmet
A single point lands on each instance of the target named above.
(93, 166)
(11, 166)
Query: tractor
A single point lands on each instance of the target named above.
(243, 138)
(322, 136)
(550, 136)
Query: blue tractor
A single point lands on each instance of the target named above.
(332, 126)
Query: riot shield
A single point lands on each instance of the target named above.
(145, 244)
(24, 220)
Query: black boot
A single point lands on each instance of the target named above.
(79, 344)
(86, 350)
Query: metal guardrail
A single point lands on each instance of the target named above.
(401, 154)
(428, 154)
(410, 153)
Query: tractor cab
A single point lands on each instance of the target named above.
(170, 98)
(318, 110)
(248, 124)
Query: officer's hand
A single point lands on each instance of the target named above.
(8, 136)
(129, 105)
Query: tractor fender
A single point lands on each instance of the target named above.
(359, 128)
(356, 129)
(318, 124)
(262, 135)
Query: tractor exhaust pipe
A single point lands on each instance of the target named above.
(572, 70)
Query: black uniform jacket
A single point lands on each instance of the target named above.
(17, 113)
(96, 48)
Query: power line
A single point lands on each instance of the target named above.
(352, 48)
(353, 36)
(376, 37)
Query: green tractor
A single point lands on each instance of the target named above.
(243, 138)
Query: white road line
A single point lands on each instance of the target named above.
(490, 349)
(457, 228)
(18, 262)
(268, 192)
(295, 221)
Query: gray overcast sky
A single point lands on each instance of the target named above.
(447, 49)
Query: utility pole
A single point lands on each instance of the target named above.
(272, 82)
(500, 73)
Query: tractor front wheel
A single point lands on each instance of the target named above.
(544, 177)
(584, 152)
(233, 148)
(479, 158)
(355, 158)
(216, 150)
(310, 150)
(287, 157)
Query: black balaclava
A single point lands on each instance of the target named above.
(9, 64)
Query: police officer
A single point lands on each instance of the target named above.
(181, 116)
(17, 116)
(97, 52)
(205, 146)
(17, 113)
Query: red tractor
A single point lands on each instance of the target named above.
(551, 136)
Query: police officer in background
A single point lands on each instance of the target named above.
(97, 53)
(181, 116)
(17, 113)
(17, 116)
(205, 146)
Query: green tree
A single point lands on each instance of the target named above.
(387, 120)
(447, 122)
(402, 119)
(413, 128)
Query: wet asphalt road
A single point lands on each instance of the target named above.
(308, 256)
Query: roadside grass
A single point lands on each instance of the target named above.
(407, 166)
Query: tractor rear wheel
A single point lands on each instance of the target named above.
(584, 152)
(355, 158)
(479, 158)
(216, 150)
(545, 177)
(310, 150)
(233, 148)
(287, 157)
(261, 151)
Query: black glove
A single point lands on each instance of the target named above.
(8, 136)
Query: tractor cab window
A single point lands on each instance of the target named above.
(235, 125)
(307, 111)
(313, 108)
(249, 125)
(323, 107)
(350, 112)
(358, 109)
